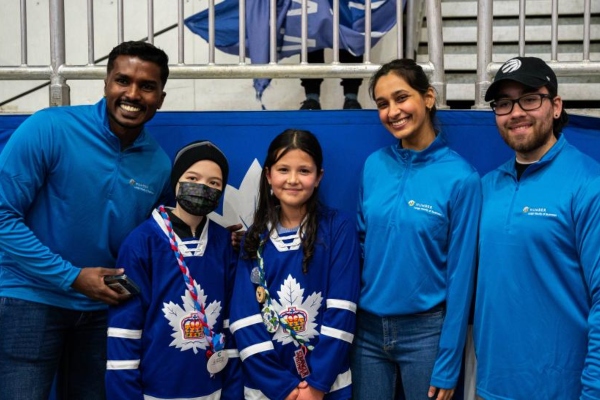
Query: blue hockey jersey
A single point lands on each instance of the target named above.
(320, 306)
(155, 347)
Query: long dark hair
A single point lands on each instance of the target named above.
(268, 208)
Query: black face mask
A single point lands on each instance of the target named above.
(197, 198)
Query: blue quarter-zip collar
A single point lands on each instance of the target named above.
(102, 116)
(509, 166)
(433, 152)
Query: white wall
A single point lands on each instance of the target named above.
(222, 94)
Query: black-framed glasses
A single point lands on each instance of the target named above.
(528, 102)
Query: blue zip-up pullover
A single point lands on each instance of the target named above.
(537, 315)
(56, 217)
(417, 219)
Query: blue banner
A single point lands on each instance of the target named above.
(320, 27)
(347, 138)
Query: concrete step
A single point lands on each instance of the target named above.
(464, 57)
(570, 29)
(462, 87)
(460, 42)
(510, 8)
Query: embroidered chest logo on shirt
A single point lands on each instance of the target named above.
(298, 312)
(538, 212)
(142, 187)
(188, 331)
(423, 207)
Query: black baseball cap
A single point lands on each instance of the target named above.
(530, 71)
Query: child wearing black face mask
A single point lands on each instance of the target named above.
(171, 340)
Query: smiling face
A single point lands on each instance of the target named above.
(134, 92)
(529, 133)
(403, 111)
(293, 179)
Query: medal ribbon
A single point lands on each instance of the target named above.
(216, 341)
(263, 282)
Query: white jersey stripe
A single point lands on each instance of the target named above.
(337, 333)
(213, 396)
(254, 394)
(122, 364)
(344, 379)
(232, 353)
(124, 333)
(342, 304)
(256, 348)
(245, 322)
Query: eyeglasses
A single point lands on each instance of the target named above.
(529, 102)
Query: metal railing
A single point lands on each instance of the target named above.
(408, 34)
(486, 69)
(58, 71)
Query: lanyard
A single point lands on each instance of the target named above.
(216, 341)
(268, 304)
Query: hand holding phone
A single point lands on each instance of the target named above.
(121, 284)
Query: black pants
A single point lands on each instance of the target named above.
(313, 86)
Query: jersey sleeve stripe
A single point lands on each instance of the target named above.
(342, 304)
(256, 348)
(344, 379)
(336, 333)
(245, 322)
(122, 364)
(231, 353)
(124, 333)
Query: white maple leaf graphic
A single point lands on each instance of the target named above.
(174, 313)
(239, 204)
(292, 302)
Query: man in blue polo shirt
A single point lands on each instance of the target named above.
(537, 315)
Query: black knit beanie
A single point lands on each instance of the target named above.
(194, 152)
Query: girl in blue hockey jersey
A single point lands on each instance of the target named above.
(296, 288)
(418, 212)
(168, 341)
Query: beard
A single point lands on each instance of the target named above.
(540, 136)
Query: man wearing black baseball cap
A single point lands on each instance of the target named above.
(537, 313)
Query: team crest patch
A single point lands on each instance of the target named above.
(298, 312)
(188, 332)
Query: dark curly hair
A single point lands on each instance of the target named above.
(144, 51)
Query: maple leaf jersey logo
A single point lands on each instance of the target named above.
(186, 322)
(299, 314)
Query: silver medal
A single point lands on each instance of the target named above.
(217, 362)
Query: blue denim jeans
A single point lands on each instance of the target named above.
(393, 357)
(39, 343)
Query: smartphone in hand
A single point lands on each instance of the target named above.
(121, 284)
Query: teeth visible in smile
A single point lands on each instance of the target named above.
(400, 122)
(129, 108)
(520, 128)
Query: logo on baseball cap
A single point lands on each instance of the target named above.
(530, 71)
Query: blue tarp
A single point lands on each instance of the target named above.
(347, 137)
(320, 27)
